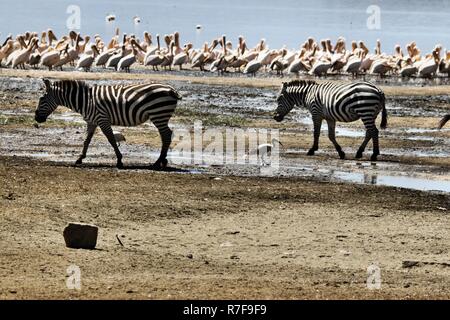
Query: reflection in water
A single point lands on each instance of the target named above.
(394, 181)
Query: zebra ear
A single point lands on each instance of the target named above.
(47, 84)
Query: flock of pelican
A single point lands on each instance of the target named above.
(313, 58)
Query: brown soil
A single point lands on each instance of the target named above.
(197, 236)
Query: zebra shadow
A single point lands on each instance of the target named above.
(133, 167)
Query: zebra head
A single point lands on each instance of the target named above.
(285, 104)
(46, 105)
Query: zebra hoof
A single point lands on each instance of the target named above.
(373, 157)
(311, 152)
(342, 155)
(79, 161)
(119, 165)
(358, 155)
(160, 164)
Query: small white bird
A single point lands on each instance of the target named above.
(136, 20)
(119, 137)
(110, 17)
(265, 150)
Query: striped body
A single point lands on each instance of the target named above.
(132, 105)
(335, 102)
(121, 105)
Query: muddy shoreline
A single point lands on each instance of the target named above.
(307, 230)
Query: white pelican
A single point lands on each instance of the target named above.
(168, 58)
(86, 60)
(408, 69)
(182, 57)
(253, 66)
(23, 57)
(429, 67)
(126, 62)
(51, 57)
(116, 57)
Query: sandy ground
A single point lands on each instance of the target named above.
(229, 237)
(218, 231)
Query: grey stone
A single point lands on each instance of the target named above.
(80, 236)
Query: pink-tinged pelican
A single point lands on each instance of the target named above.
(86, 60)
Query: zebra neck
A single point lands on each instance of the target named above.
(76, 102)
(299, 95)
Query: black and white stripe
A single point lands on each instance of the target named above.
(336, 101)
(121, 105)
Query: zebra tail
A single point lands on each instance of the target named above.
(383, 124)
(443, 121)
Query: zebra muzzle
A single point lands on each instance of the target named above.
(40, 119)
(277, 117)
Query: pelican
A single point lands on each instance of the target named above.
(252, 67)
(430, 66)
(168, 58)
(183, 57)
(128, 60)
(22, 57)
(299, 63)
(408, 69)
(51, 57)
(86, 60)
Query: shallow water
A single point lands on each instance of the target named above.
(394, 181)
(281, 23)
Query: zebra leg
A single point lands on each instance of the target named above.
(317, 125)
(90, 132)
(372, 131)
(332, 137)
(108, 132)
(361, 149)
(166, 139)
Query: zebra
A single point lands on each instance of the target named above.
(336, 101)
(105, 105)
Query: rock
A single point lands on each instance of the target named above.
(80, 236)
(190, 256)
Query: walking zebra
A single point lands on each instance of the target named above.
(336, 101)
(104, 106)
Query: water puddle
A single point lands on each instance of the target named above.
(394, 181)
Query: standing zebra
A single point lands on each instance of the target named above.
(104, 106)
(336, 101)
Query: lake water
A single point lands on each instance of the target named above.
(287, 22)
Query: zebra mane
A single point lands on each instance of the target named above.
(68, 82)
(298, 83)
